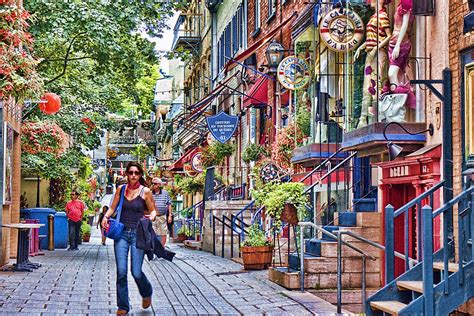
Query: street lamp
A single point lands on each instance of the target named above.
(274, 54)
(393, 149)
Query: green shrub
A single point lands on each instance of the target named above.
(86, 228)
(256, 237)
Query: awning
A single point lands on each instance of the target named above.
(178, 164)
(265, 39)
(258, 94)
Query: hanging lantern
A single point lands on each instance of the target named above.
(52, 103)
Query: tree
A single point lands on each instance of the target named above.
(93, 52)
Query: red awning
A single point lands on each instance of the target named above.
(265, 39)
(178, 164)
(258, 94)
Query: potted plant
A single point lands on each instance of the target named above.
(254, 152)
(184, 233)
(256, 250)
(86, 231)
(282, 201)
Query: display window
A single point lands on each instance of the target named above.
(362, 59)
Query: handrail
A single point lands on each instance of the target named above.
(452, 202)
(308, 189)
(325, 161)
(390, 215)
(341, 242)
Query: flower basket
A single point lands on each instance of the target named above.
(180, 238)
(256, 258)
(290, 214)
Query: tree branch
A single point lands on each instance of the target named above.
(62, 59)
(66, 59)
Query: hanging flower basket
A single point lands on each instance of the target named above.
(290, 214)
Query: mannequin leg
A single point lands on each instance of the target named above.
(393, 72)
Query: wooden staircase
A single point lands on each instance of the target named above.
(436, 285)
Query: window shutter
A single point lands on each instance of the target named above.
(235, 34)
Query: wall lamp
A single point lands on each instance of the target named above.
(393, 149)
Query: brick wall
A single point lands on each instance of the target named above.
(282, 13)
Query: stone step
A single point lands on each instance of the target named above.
(362, 219)
(314, 264)
(348, 219)
(290, 279)
(351, 299)
(371, 233)
(365, 205)
(330, 229)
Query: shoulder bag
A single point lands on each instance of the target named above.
(115, 228)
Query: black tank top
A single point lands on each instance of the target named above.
(133, 210)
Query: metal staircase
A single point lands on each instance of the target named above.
(440, 282)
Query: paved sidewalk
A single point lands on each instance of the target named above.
(83, 282)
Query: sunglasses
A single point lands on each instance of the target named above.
(156, 183)
(137, 173)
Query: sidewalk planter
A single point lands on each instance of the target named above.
(180, 238)
(86, 237)
(256, 258)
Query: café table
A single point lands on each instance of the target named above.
(22, 261)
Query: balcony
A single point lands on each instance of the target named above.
(369, 140)
(187, 34)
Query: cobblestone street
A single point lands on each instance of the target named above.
(197, 282)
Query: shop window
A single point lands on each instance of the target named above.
(257, 16)
(469, 110)
(271, 9)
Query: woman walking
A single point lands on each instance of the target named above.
(105, 208)
(137, 201)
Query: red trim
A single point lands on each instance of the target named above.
(178, 164)
(255, 46)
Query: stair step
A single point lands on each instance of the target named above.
(330, 229)
(348, 219)
(391, 307)
(416, 286)
(452, 267)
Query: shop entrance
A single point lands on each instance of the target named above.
(402, 181)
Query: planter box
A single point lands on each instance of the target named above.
(257, 258)
(180, 238)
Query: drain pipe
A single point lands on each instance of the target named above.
(301, 259)
(214, 49)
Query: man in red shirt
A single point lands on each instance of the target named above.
(74, 211)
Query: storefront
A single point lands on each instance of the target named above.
(402, 180)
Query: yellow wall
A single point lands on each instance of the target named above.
(28, 185)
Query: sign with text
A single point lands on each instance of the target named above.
(222, 126)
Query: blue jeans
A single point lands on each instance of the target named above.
(121, 248)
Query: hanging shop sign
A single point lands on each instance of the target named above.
(293, 73)
(196, 162)
(342, 30)
(188, 170)
(222, 126)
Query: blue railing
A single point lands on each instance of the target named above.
(390, 215)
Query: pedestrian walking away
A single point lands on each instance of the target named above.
(105, 208)
(164, 210)
(138, 200)
(74, 212)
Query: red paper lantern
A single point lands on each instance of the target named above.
(52, 104)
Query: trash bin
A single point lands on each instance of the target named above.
(42, 215)
(109, 189)
(61, 231)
